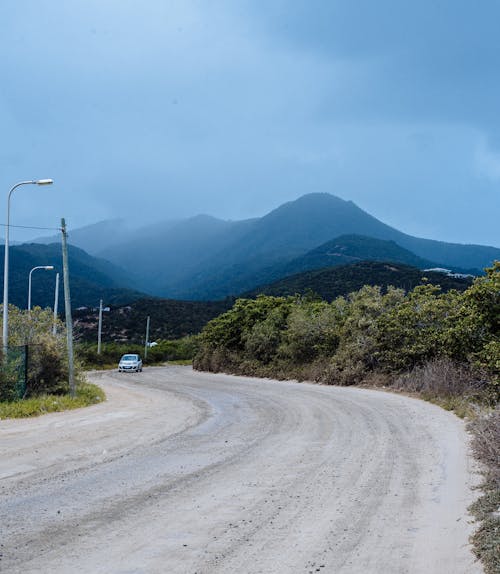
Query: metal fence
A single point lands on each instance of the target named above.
(14, 373)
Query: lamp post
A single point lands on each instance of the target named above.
(56, 301)
(5, 332)
(47, 268)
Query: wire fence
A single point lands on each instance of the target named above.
(14, 373)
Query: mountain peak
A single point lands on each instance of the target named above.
(313, 200)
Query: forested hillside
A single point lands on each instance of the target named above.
(335, 281)
(170, 319)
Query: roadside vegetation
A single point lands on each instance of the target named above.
(37, 382)
(86, 394)
(486, 446)
(178, 351)
(441, 346)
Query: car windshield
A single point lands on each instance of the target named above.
(129, 358)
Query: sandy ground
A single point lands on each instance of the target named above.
(193, 473)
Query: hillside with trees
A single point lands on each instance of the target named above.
(170, 319)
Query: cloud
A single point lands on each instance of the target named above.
(487, 160)
(179, 107)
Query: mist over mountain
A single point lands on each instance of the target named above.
(91, 278)
(92, 238)
(165, 254)
(208, 258)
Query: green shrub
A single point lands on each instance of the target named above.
(371, 332)
(47, 369)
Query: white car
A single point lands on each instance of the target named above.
(130, 362)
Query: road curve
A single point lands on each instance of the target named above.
(195, 473)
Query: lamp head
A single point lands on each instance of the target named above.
(44, 181)
(48, 267)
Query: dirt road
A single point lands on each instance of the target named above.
(184, 472)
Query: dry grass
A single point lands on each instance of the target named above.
(443, 379)
(486, 447)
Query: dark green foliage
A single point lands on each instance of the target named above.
(47, 368)
(251, 329)
(313, 330)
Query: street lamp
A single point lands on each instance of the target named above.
(5, 334)
(56, 301)
(47, 268)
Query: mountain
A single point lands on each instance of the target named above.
(205, 258)
(289, 232)
(90, 278)
(335, 281)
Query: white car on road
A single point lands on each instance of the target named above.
(130, 362)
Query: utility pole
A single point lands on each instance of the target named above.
(67, 309)
(99, 329)
(56, 303)
(147, 339)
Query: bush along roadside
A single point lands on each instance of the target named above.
(443, 347)
(178, 350)
(46, 389)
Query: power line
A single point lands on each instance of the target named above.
(30, 227)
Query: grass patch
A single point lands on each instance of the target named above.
(86, 394)
(463, 408)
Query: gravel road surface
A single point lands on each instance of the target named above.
(194, 473)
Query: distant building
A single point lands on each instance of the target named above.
(450, 273)
(440, 270)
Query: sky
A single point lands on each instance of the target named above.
(153, 110)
